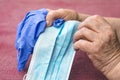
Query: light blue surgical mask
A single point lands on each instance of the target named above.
(53, 53)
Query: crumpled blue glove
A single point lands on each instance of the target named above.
(28, 32)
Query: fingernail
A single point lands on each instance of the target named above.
(48, 23)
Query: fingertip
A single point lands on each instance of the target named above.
(48, 23)
(76, 49)
(76, 46)
(49, 19)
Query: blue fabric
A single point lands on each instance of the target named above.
(53, 59)
(28, 32)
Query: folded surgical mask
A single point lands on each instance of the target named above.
(53, 53)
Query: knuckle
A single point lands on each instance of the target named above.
(95, 17)
(83, 24)
(61, 9)
(89, 19)
(83, 30)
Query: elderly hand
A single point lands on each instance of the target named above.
(96, 37)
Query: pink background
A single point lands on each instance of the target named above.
(13, 11)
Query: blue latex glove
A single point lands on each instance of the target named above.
(28, 32)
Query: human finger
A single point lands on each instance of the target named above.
(54, 14)
(92, 23)
(83, 45)
(85, 33)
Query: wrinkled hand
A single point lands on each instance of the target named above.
(96, 37)
(65, 14)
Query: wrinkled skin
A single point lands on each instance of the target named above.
(96, 37)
